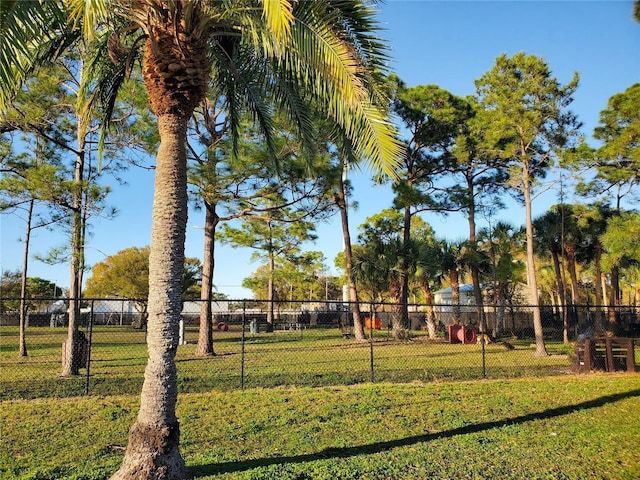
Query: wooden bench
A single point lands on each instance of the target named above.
(610, 354)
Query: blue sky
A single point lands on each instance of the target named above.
(448, 43)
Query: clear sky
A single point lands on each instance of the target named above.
(448, 43)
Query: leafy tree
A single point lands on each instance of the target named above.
(549, 235)
(27, 182)
(619, 250)
(277, 231)
(380, 262)
(428, 270)
(524, 110)
(126, 275)
(433, 117)
(479, 179)
(207, 176)
(232, 186)
(39, 292)
(616, 163)
(593, 221)
(341, 196)
(38, 112)
(619, 129)
(327, 54)
(297, 278)
(47, 114)
(452, 264)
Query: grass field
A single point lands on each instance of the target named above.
(569, 427)
(318, 357)
(422, 418)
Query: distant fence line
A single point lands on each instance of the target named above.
(510, 319)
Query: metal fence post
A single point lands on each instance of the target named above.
(88, 365)
(371, 365)
(244, 321)
(484, 358)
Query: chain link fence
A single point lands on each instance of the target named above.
(309, 344)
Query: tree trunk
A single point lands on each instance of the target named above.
(599, 314)
(501, 296)
(562, 296)
(404, 267)
(152, 451)
(541, 349)
(270, 287)
(454, 279)
(432, 325)
(205, 334)
(22, 350)
(475, 272)
(397, 330)
(176, 73)
(575, 296)
(614, 296)
(71, 347)
(354, 304)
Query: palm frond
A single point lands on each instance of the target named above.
(278, 14)
(88, 14)
(31, 33)
(341, 82)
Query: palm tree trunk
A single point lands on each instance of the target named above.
(152, 451)
(431, 313)
(454, 279)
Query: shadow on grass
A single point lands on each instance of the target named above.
(345, 452)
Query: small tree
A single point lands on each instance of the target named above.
(277, 231)
(126, 275)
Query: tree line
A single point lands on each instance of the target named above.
(260, 107)
(452, 163)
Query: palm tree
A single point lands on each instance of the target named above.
(428, 271)
(325, 56)
(549, 236)
(452, 263)
(502, 243)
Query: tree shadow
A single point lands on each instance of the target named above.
(345, 452)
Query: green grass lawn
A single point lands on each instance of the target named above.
(310, 412)
(317, 357)
(560, 427)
